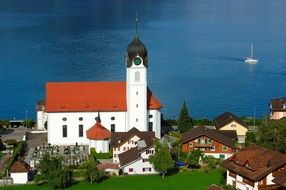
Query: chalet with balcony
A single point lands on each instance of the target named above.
(278, 108)
(228, 122)
(124, 141)
(136, 160)
(212, 142)
(255, 168)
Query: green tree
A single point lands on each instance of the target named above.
(162, 159)
(193, 158)
(4, 123)
(54, 172)
(91, 173)
(250, 138)
(272, 135)
(29, 123)
(184, 121)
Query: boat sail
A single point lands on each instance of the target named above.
(250, 59)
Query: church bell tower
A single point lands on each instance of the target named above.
(136, 84)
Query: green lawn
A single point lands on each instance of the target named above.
(194, 180)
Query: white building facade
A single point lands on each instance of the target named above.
(19, 177)
(239, 182)
(140, 165)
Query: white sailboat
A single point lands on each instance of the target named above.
(250, 59)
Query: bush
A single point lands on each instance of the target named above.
(175, 134)
(96, 155)
(18, 151)
(11, 142)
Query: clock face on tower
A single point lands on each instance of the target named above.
(137, 61)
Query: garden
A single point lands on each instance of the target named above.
(184, 180)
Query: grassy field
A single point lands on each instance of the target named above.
(193, 180)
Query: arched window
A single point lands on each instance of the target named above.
(137, 76)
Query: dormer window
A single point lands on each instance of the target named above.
(64, 118)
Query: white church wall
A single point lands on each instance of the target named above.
(56, 122)
(41, 119)
(156, 120)
(101, 146)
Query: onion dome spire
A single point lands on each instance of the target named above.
(136, 49)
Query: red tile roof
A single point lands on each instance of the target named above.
(214, 187)
(280, 180)
(103, 166)
(19, 166)
(278, 104)
(98, 132)
(90, 96)
(254, 162)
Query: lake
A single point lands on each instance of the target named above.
(196, 51)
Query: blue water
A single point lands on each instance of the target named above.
(196, 51)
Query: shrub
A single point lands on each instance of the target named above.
(11, 142)
(18, 151)
(96, 155)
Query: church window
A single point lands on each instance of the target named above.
(136, 119)
(137, 76)
(150, 116)
(112, 118)
(150, 126)
(136, 105)
(112, 127)
(65, 131)
(80, 130)
(137, 93)
(64, 118)
(80, 118)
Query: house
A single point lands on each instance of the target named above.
(280, 180)
(210, 141)
(230, 122)
(70, 108)
(124, 141)
(136, 160)
(254, 168)
(19, 172)
(109, 168)
(214, 187)
(278, 108)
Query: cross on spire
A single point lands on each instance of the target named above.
(136, 21)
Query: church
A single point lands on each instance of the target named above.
(70, 109)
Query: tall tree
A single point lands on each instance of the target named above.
(91, 173)
(162, 159)
(54, 172)
(272, 135)
(184, 121)
(250, 138)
